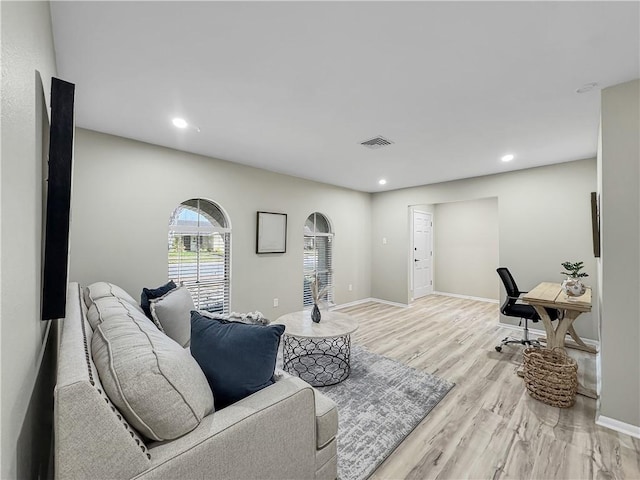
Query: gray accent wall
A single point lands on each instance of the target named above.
(620, 211)
(27, 48)
(544, 216)
(466, 248)
(125, 191)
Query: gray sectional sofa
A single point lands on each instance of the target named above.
(285, 431)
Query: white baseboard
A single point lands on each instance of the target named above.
(542, 333)
(351, 304)
(467, 297)
(405, 305)
(387, 302)
(618, 426)
(367, 300)
(598, 381)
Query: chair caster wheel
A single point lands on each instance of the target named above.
(498, 348)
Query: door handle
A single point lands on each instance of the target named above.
(416, 260)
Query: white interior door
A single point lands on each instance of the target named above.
(422, 254)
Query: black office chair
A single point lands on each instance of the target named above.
(511, 308)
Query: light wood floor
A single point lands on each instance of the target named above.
(487, 427)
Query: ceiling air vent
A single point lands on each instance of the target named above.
(376, 142)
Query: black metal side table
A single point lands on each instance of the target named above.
(318, 353)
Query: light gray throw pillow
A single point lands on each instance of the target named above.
(172, 314)
(99, 290)
(102, 309)
(156, 384)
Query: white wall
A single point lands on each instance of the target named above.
(27, 46)
(544, 216)
(125, 191)
(620, 227)
(466, 248)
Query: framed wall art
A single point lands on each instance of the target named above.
(595, 223)
(271, 233)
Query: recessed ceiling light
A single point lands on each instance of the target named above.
(508, 158)
(587, 87)
(382, 181)
(180, 122)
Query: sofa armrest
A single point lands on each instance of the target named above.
(326, 415)
(270, 434)
(92, 439)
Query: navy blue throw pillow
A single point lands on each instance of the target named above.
(151, 293)
(238, 359)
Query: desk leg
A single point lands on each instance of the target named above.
(582, 346)
(563, 327)
(555, 337)
(548, 326)
(578, 345)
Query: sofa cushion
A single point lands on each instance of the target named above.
(154, 382)
(99, 290)
(172, 314)
(149, 294)
(104, 308)
(238, 359)
(326, 419)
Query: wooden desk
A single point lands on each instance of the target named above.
(550, 295)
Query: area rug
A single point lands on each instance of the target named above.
(380, 403)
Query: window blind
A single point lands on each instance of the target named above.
(199, 254)
(318, 258)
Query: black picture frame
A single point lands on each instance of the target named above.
(271, 232)
(595, 223)
(58, 203)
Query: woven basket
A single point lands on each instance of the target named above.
(551, 376)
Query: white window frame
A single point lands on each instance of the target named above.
(198, 231)
(314, 273)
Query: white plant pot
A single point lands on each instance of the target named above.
(573, 287)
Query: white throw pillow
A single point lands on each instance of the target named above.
(251, 318)
(156, 384)
(172, 312)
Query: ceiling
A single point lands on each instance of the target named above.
(294, 87)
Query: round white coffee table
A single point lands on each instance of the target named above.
(319, 353)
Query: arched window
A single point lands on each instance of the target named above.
(318, 242)
(200, 253)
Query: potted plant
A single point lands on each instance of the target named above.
(572, 285)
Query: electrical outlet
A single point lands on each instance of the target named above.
(275, 302)
(350, 288)
(384, 240)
